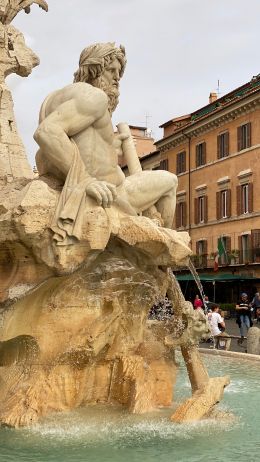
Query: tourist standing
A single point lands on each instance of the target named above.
(256, 306)
(197, 303)
(243, 316)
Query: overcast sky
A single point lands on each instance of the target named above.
(177, 50)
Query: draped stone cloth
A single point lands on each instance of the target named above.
(70, 219)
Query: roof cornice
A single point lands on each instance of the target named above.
(209, 122)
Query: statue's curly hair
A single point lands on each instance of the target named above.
(95, 58)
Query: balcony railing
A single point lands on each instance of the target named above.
(236, 257)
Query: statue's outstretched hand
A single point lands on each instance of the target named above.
(103, 192)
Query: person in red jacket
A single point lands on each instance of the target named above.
(197, 303)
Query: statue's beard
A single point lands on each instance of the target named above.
(111, 92)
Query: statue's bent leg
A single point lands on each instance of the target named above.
(149, 188)
(166, 206)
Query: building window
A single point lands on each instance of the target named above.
(245, 248)
(223, 145)
(223, 204)
(244, 136)
(181, 162)
(226, 244)
(200, 154)
(200, 247)
(201, 209)
(181, 214)
(201, 253)
(255, 240)
(245, 198)
(164, 164)
(245, 203)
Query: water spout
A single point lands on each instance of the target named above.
(198, 282)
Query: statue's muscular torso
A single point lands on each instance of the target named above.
(95, 141)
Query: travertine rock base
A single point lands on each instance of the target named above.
(83, 338)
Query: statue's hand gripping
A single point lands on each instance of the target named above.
(103, 192)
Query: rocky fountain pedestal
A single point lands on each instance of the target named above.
(78, 278)
(75, 328)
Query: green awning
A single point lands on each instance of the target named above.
(224, 277)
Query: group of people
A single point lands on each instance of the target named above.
(216, 321)
(245, 310)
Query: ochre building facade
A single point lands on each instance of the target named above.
(215, 152)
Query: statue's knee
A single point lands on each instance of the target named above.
(173, 180)
(168, 180)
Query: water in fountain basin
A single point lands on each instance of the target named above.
(106, 435)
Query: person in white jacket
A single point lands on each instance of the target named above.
(216, 321)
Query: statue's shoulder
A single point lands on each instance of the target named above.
(85, 94)
(75, 90)
(79, 91)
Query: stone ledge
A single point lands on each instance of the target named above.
(230, 354)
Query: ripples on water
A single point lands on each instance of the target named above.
(97, 434)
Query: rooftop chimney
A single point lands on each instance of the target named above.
(212, 97)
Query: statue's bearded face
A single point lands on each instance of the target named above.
(109, 83)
